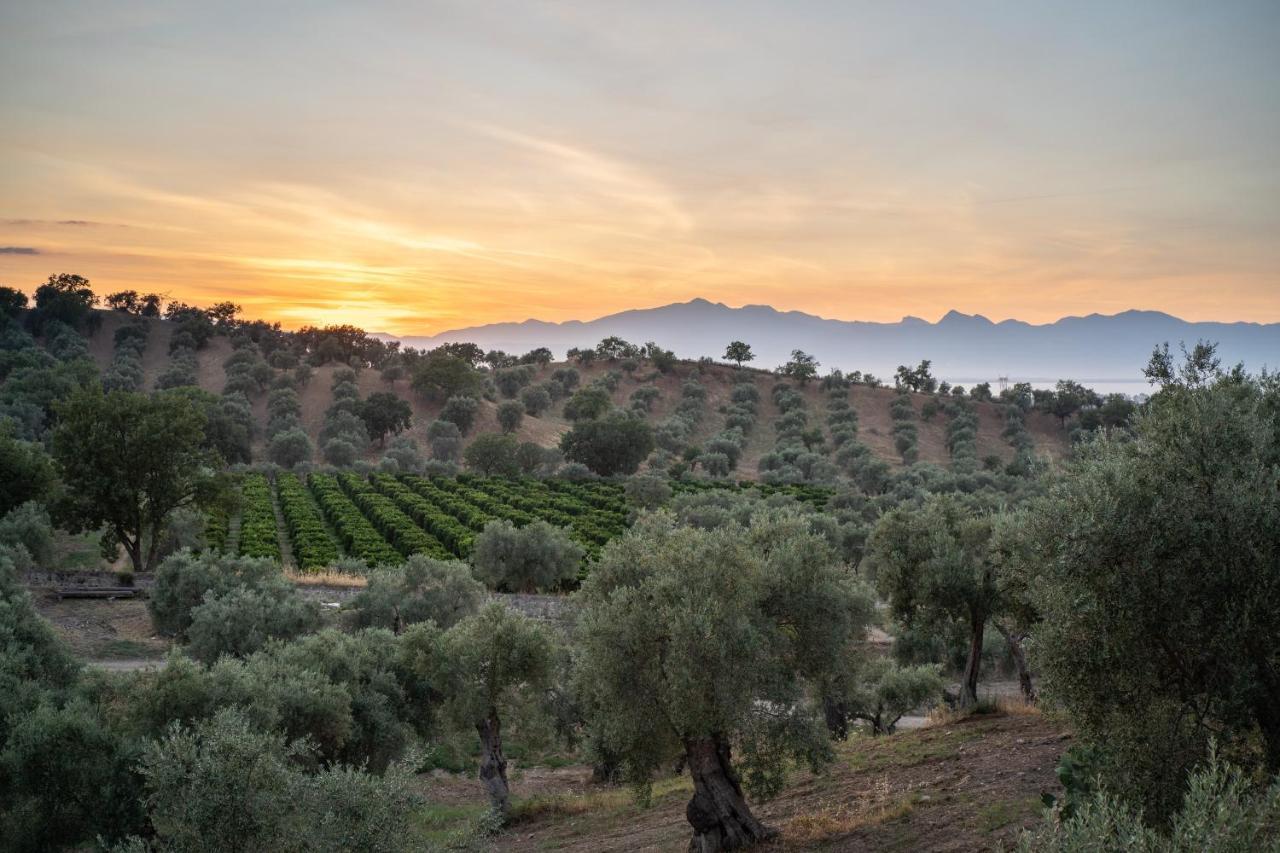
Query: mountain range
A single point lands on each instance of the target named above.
(1097, 348)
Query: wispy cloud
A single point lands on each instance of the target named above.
(66, 223)
(19, 250)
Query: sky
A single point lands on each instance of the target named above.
(420, 166)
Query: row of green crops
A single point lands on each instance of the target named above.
(455, 535)
(810, 494)
(358, 536)
(389, 520)
(257, 519)
(385, 518)
(313, 545)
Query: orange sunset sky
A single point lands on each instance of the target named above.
(414, 167)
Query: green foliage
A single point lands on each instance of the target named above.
(510, 414)
(59, 768)
(1152, 562)
(242, 620)
(612, 445)
(934, 563)
(313, 546)
(536, 400)
(588, 404)
(385, 413)
(493, 454)
(224, 784)
(183, 580)
(1222, 810)
(536, 557)
(880, 692)
(802, 367)
(422, 590)
(445, 439)
(129, 460)
(358, 536)
(439, 376)
(726, 631)
(461, 411)
(26, 533)
(738, 352)
(495, 661)
(257, 519)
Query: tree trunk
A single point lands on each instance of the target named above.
(493, 764)
(969, 684)
(1014, 642)
(718, 812)
(836, 714)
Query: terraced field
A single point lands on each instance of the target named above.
(382, 519)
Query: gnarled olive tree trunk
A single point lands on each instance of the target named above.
(718, 812)
(493, 764)
(1014, 641)
(969, 683)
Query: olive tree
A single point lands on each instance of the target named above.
(421, 590)
(538, 556)
(933, 563)
(485, 667)
(1153, 564)
(128, 461)
(697, 643)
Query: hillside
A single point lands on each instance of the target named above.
(871, 404)
(965, 348)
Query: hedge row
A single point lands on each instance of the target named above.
(389, 520)
(440, 525)
(257, 519)
(313, 544)
(358, 536)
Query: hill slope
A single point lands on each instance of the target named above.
(872, 404)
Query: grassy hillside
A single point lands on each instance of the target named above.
(871, 404)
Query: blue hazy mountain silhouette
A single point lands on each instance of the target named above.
(966, 347)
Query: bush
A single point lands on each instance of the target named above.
(535, 557)
(1222, 810)
(240, 621)
(536, 400)
(289, 448)
(422, 590)
(227, 785)
(647, 492)
(445, 439)
(587, 404)
(340, 452)
(28, 527)
(182, 581)
(461, 411)
(510, 414)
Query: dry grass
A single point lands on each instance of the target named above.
(327, 579)
(1011, 706)
(842, 816)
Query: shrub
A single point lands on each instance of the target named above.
(535, 557)
(461, 411)
(340, 452)
(510, 414)
(587, 404)
(241, 620)
(536, 400)
(647, 492)
(445, 439)
(289, 448)
(182, 581)
(422, 590)
(227, 784)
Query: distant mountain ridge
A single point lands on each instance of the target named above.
(962, 347)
